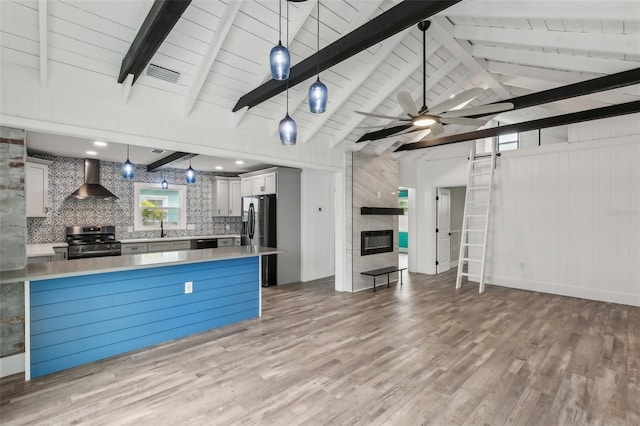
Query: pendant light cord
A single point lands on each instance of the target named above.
(318, 49)
(287, 48)
(280, 21)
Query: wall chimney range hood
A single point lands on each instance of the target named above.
(91, 188)
(388, 211)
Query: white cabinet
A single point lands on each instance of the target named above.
(246, 186)
(220, 200)
(263, 184)
(61, 253)
(133, 248)
(227, 200)
(159, 246)
(225, 242)
(235, 197)
(37, 187)
(181, 245)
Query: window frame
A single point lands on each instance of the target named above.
(182, 191)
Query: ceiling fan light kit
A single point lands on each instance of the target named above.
(433, 118)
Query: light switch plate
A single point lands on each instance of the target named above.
(129, 229)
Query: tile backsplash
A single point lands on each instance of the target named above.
(67, 174)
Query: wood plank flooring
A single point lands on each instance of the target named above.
(423, 353)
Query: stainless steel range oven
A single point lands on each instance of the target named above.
(92, 241)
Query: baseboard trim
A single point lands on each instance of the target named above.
(11, 365)
(564, 290)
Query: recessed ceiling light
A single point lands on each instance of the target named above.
(92, 153)
(218, 167)
(100, 143)
(239, 162)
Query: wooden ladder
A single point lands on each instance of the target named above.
(475, 223)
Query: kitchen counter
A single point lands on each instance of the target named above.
(201, 237)
(37, 250)
(95, 265)
(83, 310)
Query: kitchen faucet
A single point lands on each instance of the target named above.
(162, 233)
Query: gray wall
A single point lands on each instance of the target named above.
(67, 174)
(13, 242)
(373, 175)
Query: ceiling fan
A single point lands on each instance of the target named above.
(443, 113)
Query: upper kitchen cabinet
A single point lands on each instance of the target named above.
(235, 197)
(227, 199)
(220, 199)
(246, 186)
(37, 187)
(263, 184)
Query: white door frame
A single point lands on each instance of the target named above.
(443, 230)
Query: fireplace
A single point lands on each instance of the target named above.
(372, 242)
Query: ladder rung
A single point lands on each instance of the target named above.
(466, 274)
(483, 160)
(469, 259)
(472, 245)
(479, 187)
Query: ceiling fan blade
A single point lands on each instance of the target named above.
(479, 110)
(436, 129)
(389, 117)
(463, 121)
(409, 130)
(459, 99)
(408, 105)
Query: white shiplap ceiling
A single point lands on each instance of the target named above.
(220, 48)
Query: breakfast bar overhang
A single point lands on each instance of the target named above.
(84, 310)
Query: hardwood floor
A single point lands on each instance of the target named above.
(423, 353)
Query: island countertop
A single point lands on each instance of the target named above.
(96, 265)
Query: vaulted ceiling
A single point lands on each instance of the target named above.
(220, 50)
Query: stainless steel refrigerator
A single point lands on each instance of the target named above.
(259, 229)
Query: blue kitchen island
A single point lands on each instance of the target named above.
(79, 311)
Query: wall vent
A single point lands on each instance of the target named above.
(165, 74)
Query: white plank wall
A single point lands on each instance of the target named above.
(566, 220)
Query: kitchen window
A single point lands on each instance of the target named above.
(155, 206)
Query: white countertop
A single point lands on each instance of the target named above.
(200, 237)
(37, 250)
(96, 265)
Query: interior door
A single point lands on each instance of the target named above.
(444, 230)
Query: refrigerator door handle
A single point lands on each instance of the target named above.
(252, 221)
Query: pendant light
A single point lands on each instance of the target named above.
(279, 58)
(190, 174)
(318, 93)
(165, 184)
(128, 168)
(288, 128)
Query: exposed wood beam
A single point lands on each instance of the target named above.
(44, 42)
(355, 82)
(623, 44)
(543, 123)
(215, 44)
(547, 9)
(126, 88)
(162, 17)
(383, 26)
(298, 20)
(169, 160)
(553, 60)
(442, 30)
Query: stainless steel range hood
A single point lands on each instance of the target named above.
(91, 188)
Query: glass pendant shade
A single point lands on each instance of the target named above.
(128, 170)
(318, 96)
(165, 184)
(280, 61)
(288, 131)
(190, 175)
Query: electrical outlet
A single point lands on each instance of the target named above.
(129, 229)
(188, 287)
(227, 227)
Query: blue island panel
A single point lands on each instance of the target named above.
(82, 319)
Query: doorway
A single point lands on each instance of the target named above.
(449, 214)
(403, 228)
